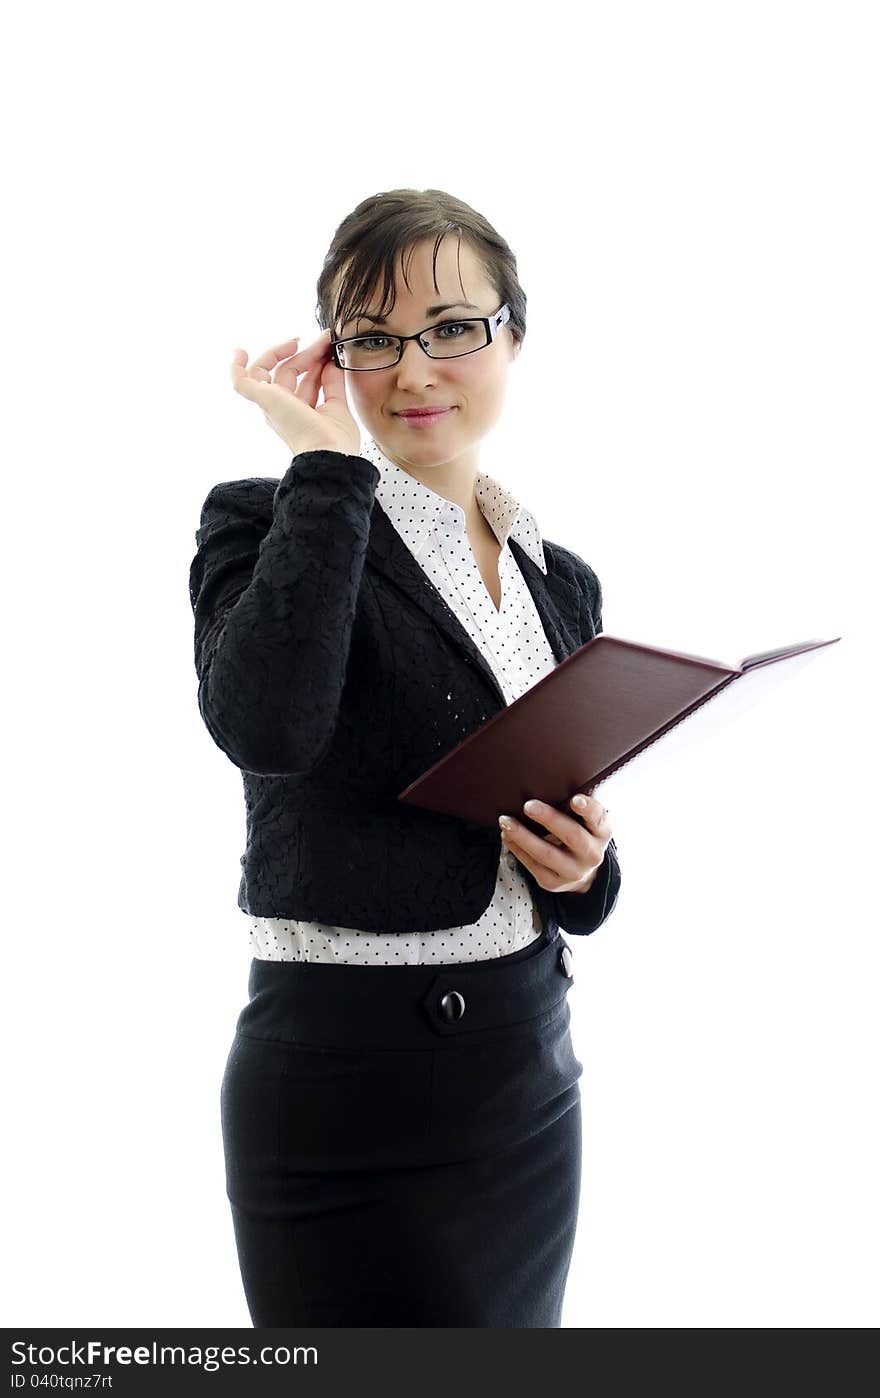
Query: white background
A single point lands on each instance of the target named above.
(691, 192)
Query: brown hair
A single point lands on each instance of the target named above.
(367, 242)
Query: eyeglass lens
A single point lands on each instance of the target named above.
(442, 342)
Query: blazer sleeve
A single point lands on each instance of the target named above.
(582, 913)
(274, 587)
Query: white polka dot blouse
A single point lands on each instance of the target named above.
(513, 642)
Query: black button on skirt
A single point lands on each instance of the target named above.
(403, 1143)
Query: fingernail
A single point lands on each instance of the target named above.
(505, 822)
(531, 805)
(580, 800)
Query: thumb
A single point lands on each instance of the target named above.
(335, 405)
(333, 385)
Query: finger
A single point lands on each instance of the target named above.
(257, 372)
(260, 372)
(333, 384)
(561, 860)
(259, 391)
(271, 358)
(592, 812)
(569, 828)
(309, 387)
(303, 377)
(238, 367)
(242, 376)
(295, 360)
(314, 356)
(321, 375)
(299, 359)
(566, 872)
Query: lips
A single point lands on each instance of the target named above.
(425, 412)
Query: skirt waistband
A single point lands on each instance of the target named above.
(322, 1004)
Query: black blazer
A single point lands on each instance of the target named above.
(332, 672)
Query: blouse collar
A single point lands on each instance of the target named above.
(415, 510)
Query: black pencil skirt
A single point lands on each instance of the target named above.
(403, 1143)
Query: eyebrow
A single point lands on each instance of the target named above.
(429, 312)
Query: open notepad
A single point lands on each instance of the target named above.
(599, 708)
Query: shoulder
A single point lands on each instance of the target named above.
(248, 498)
(569, 565)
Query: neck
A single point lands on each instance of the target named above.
(455, 481)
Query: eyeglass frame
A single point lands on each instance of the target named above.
(493, 324)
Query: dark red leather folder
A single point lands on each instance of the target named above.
(599, 708)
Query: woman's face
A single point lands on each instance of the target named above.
(473, 385)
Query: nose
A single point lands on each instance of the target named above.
(414, 365)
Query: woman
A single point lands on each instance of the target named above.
(400, 1107)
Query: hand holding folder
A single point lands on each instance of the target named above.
(598, 709)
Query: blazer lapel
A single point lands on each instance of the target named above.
(556, 601)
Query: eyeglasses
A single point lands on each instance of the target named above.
(452, 339)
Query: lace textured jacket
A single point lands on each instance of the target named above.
(332, 673)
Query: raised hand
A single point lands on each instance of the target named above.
(290, 406)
